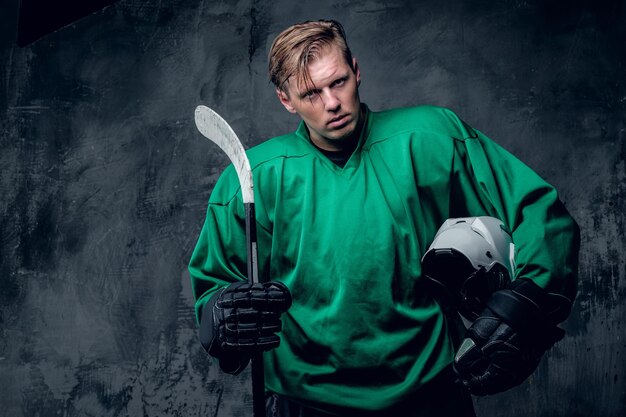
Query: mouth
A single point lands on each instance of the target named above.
(338, 121)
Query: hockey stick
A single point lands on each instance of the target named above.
(214, 128)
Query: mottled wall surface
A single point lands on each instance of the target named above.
(104, 180)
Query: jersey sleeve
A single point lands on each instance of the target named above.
(488, 179)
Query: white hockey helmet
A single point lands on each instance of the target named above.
(469, 259)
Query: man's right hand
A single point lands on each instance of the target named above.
(242, 319)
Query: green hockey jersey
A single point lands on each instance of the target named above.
(362, 331)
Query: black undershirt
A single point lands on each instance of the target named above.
(340, 157)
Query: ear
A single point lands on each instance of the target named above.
(357, 71)
(285, 100)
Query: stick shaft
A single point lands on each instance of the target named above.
(251, 241)
(257, 369)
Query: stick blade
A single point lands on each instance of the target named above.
(217, 130)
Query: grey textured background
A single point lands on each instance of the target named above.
(104, 180)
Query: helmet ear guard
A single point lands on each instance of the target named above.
(469, 259)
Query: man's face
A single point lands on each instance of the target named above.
(331, 106)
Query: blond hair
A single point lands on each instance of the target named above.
(296, 46)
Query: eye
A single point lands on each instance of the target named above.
(339, 82)
(310, 95)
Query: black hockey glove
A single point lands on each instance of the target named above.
(242, 319)
(506, 342)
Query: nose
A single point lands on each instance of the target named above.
(331, 102)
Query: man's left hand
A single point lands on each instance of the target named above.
(505, 344)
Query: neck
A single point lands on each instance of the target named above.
(344, 144)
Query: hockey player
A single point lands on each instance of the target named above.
(346, 206)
